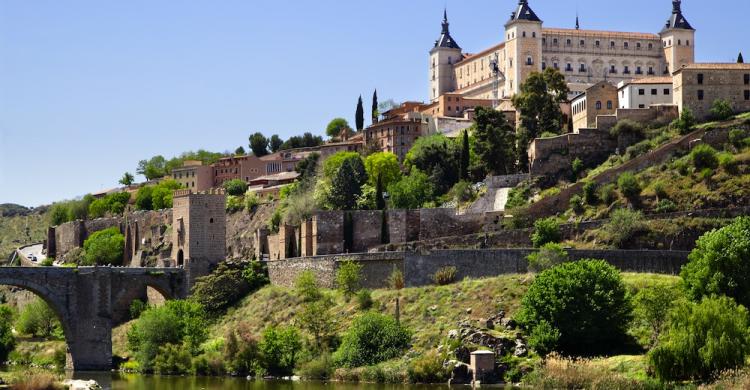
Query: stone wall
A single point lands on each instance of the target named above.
(376, 268)
(328, 232)
(435, 223)
(367, 230)
(505, 181)
(551, 157)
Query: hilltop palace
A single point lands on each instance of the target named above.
(585, 57)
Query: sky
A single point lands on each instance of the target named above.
(90, 87)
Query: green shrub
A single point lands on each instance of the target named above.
(659, 190)
(701, 340)
(316, 319)
(104, 247)
(235, 187)
(704, 156)
(665, 206)
(548, 256)
(685, 123)
(38, 319)
(546, 230)
(348, 278)
(256, 275)
(240, 351)
(629, 186)
(720, 263)
(251, 201)
(638, 149)
(320, 368)
(48, 262)
(518, 196)
(623, 224)
(306, 286)
(364, 299)
(627, 127)
(173, 359)
(726, 161)
(586, 301)
(577, 168)
(445, 275)
(544, 338)
(137, 307)
(576, 204)
(208, 364)
(737, 138)
(234, 204)
(224, 287)
(279, 349)
(429, 368)
(590, 190)
(372, 338)
(682, 167)
(721, 109)
(607, 194)
(652, 305)
(705, 174)
(275, 222)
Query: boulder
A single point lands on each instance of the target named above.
(460, 374)
(79, 384)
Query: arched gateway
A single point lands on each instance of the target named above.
(90, 300)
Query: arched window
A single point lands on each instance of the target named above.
(524, 34)
(609, 104)
(529, 61)
(598, 105)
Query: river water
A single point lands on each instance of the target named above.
(119, 381)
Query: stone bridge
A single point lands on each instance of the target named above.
(89, 301)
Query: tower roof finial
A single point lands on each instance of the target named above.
(445, 40)
(677, 19)
(578, 25)
(524, 12)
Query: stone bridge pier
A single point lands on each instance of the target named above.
(89, 301)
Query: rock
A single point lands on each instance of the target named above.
(78, 384)
(521, 349)
(453, 334)
(460, 374)
(508, 323)
(468, 311)
(433, 308)
(489, 324)
(462, 354)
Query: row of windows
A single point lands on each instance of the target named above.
(746, 78)
(185, 175)
(701, 94)
(612, 68)
(225, 171)
(668, 42)
(654, 91)
(597, 44)
(580, 107)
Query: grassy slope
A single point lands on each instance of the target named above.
(20, 230)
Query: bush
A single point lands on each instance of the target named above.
(316, 319)
(38, 319)
(623, 224)
(372, 338)
(221, 289)
(586, 301)
(659, 190)
(320, 368)
(235, 187)
(607, 194)
(544, 338)
(173, 359)
(256, 275)
(306, 286)
(652, 305)
(251, 201)
(411, 192)
(429, 368)
(685, 122)
(726, 161)
(104, 247)
(737, 138)
(48, 262)
(704, 156)
(348, 277)
(701, 340)
(627, 127)
(445, 275)
(577, 168)
(629, 186)
(240, 354)
(279, 349)
(234, 204)
(720, 263)
(548, 256)
(7, 340)
(590, 192)
(665, 206)
(364, 299)
(721, 109)
(137, 307)
(576, 204)
(546, 230)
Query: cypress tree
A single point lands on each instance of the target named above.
(463, 174)
(379, 201)
(740, 60)
(359, 117)
(375, 113)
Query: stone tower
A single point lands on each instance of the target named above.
(442, 58)
(678, 39)
(198, 232)
(523, 46)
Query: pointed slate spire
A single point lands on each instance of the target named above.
(740, 60)
(445, 40)
(677, 20)
(578, 25)
(524, 12)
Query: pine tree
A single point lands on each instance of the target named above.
(359, 117)
(379, 201)
(740, 60)
(375, 112)
(463, 174)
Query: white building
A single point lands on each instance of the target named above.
(643, 93)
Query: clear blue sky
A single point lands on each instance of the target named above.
(89, 87)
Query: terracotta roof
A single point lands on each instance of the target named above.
(652, 80)
(469, 57)
(599, 33)
(720, 66)
(278, 177)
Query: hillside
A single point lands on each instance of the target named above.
(19, 230)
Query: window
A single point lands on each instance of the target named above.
(651, 70)
(747, 79)
(568, 42)
(687, 42)
(626, 45)
(641, 92)
(555, 65)
(638, 45)
(582, 68)
(747, 94)
(700, 94)
(641, 106)
(650, 46)
(582, 43)
(597, 43)
(511, 62)
(612, 69)
(533, 34)
(638, 70)
(609, 104)
(554, 42)
(627, 70)
(700, 78)
(654, 92)
(612, 44)
(598, 105)
(544, 65)
(544, 41)
(523, 34)
(666, 92)
(529, 61)
(568, 67)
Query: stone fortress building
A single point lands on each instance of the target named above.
(585, 57)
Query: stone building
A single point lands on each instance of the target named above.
(697, 86)
(198, 232)
(599, 99)
(398, 129)
(643, 93)
(194, 175)
(585, 57)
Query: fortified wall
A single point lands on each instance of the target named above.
(418, 268)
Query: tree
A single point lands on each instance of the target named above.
(348, 277)
(652, 306)
(546, 230)
(153, 168)
(463, 173)
(240, 151)
(702, 339)
(383, 166)
(740, 60)
(275, 143)
(259, 144)
(538, 103)
(306, 140)
(235, 187)
(346, 185)
(379, 200)
(585, 301)
(7, 340)
(411, 192)
(359, 116)
(58, 214)
(685, 122)
(280, 348)
(375, 113)
(104, 247)
(307, 168)
(336, 126)
(127, 179)
(548, 256)
(720, 263)
(38, 319)
(439, 158)
(721, 109)
(372, 338)
(629, 186)
(495, 141)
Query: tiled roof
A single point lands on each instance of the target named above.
(677, 20)
(446, 40)
(470, 57)
(652, 80)
(524, 12)
(599, 33)
(719, 66)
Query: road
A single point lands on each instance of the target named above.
(32, 252)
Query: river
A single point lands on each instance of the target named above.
(120, 381)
